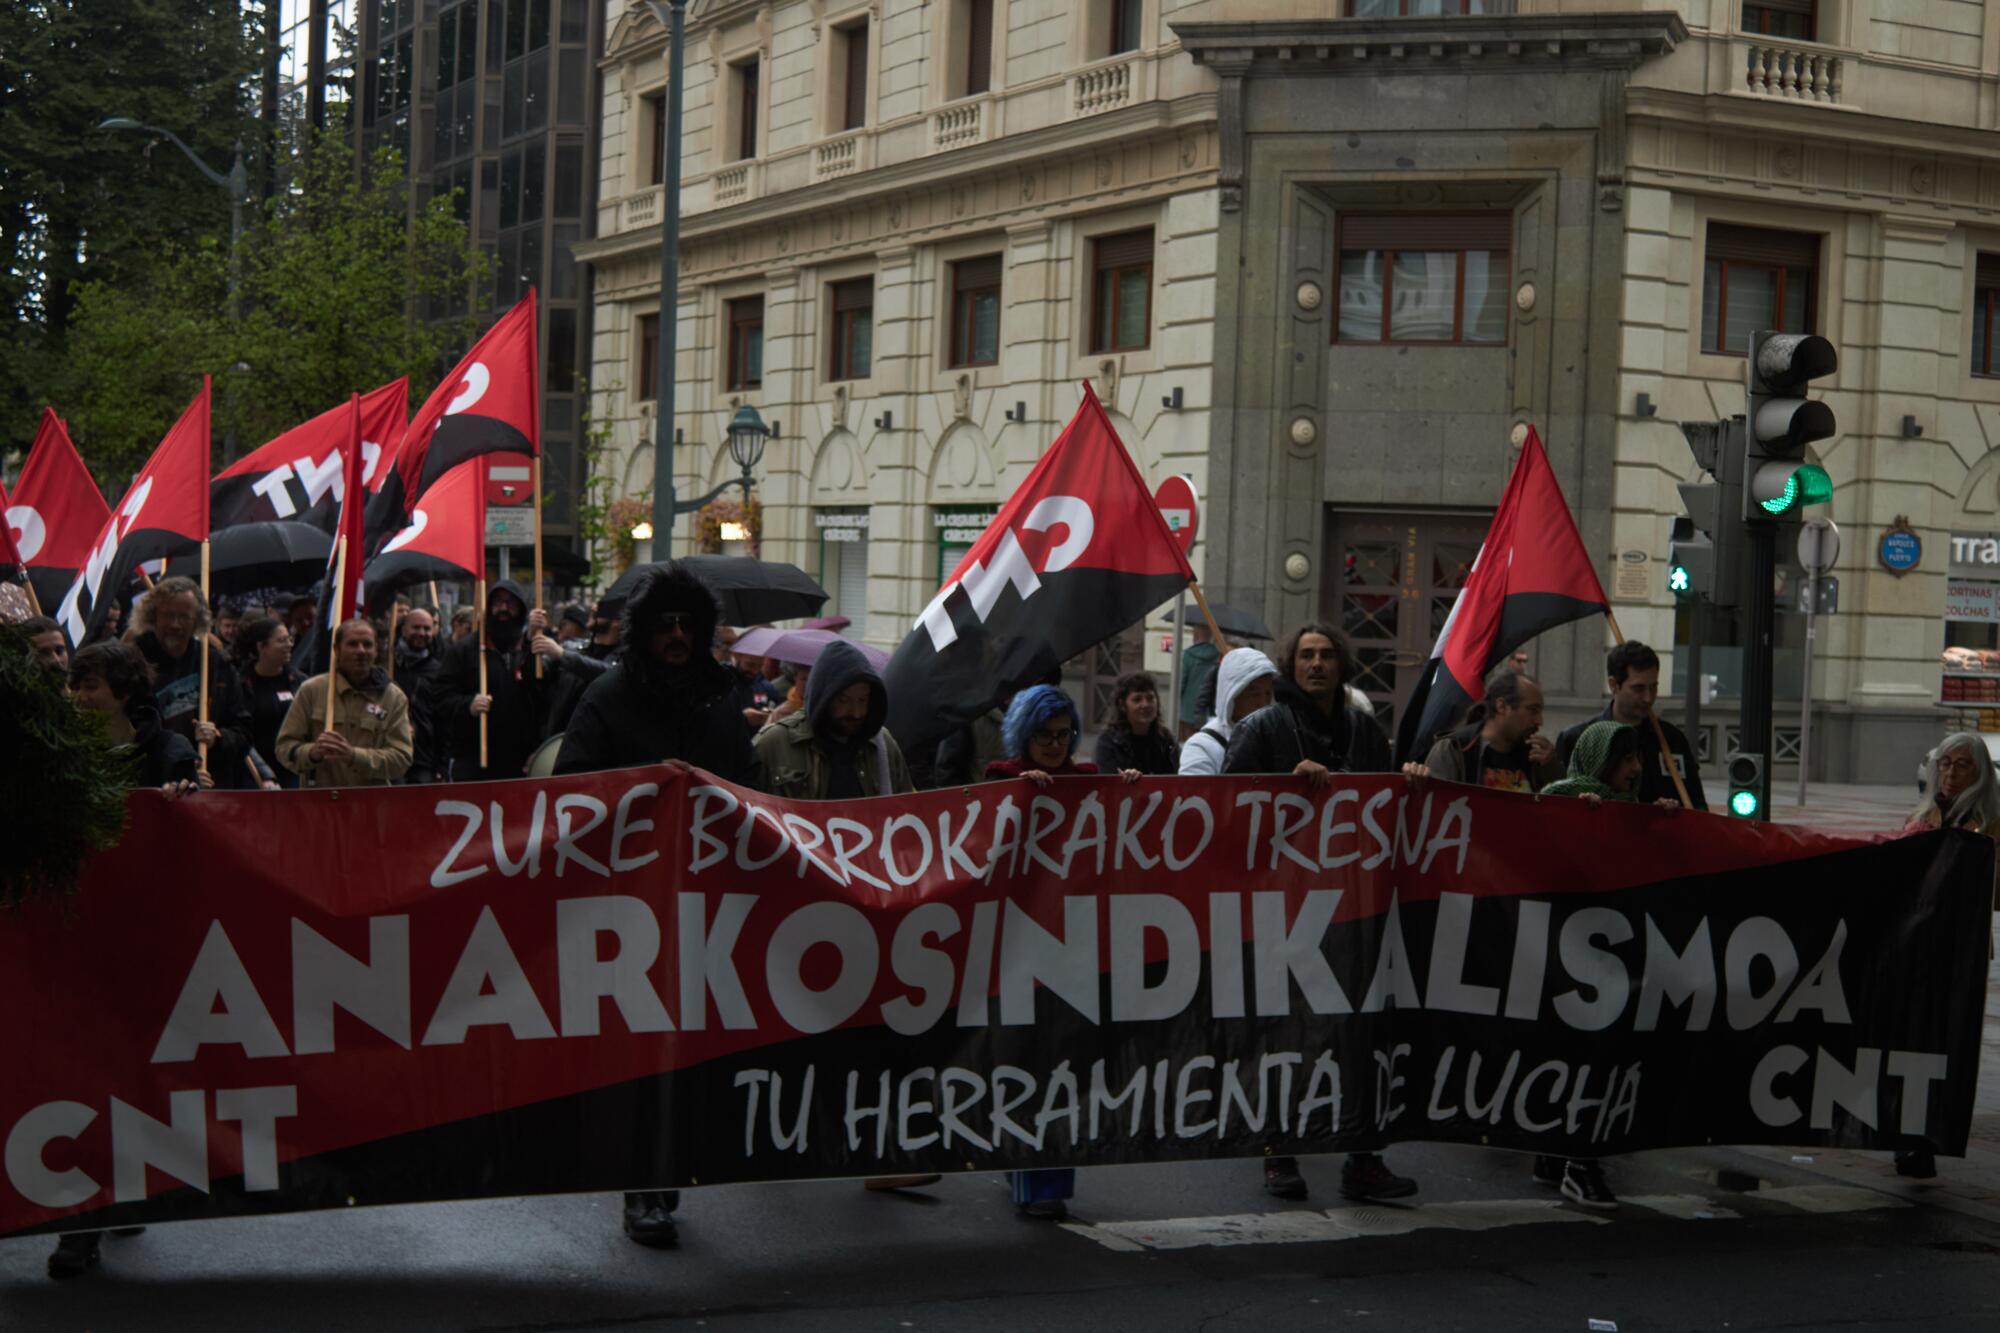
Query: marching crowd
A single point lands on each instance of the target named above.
(613, 686)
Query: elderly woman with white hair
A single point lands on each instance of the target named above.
(1960, 791)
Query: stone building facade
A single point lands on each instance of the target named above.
(1382, 246)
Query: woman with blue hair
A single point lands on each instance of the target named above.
(1041, 731)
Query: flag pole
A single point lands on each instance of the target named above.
(202, 715)
(1208, 615)
(535, 471)
(332, 649)
(28, 586)
(479, 645)
(436, 605)
(395, 619)
(1659, 732)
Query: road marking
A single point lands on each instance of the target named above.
(1289, 1228)
(1334, 1224)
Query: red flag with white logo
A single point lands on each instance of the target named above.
(445, 538)
(490, 403)
(1079, 552)
(55, 511)
(299, 476)
(164, 512)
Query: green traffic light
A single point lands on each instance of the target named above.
(1677, 579)
(1809, 484)
(1743, 803)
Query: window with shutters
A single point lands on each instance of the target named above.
(746, 342)
(1121, 291)
(977, 43)
(1424, 278)
(1796, 19)
(975, 311)
(843, 565)
(1985, 297)
(853, 333)
(1756, 278)
(850, 95)
(647, 373)
(1127, 25)
(740, 137)
(656, 150)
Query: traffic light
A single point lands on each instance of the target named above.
(1702, 555)
(1777, 481)
(1746, 786)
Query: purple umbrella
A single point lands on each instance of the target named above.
(800, 647)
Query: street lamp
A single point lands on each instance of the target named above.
(237, 183)
(673, 13)
(747, 434)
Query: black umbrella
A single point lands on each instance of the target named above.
(1238, 624)
(249, 556)
(751, 591)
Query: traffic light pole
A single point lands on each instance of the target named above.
(1760, 641)
(1692, 718)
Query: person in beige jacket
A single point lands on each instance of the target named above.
(369, 745)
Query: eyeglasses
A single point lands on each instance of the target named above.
(1957, 764)
(1061, 738)
(679, 620)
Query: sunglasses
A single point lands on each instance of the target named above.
(679, 620)
(1054, 737)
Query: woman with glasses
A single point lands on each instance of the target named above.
(1041, 731)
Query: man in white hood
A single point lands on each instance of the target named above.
(1243, 684)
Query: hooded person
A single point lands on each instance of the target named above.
(1243, 684)
(513, 704)
(835, 748)
(666, 698)
(1604, 764)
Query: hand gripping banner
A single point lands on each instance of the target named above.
(647, 978)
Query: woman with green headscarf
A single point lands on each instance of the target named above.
(1604, 766)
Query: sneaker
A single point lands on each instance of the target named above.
(879, 1183)
(1917, 1164)
(649, 1218)
(1548, 1171)
(1583, 1183)
(1044, 1210)
(75, 1252)
(1282, 1179)
(1366, 1176)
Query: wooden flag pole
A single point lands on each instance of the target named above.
(332, 644)
(479, 643)
(28, 586)
(535, 471)
(1209, 616)
(395, 620)
(1659, 732)
(201, 640)
(435, 603)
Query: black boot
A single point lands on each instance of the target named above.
(75, 1252)
(1366, 1176)
(1917, 1164)
(649, 1218)
(1282, 1179)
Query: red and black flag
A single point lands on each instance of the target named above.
(445, 538)
(164, 512)
(1532, 574)
(55, 512)
(1078, 553)
(489, 404)
(299, 476)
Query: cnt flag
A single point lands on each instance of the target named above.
(164, 512)
(489, 404)
(1078, 553)
(1532, 574)
(299, 476)
(446, 536)
(55, 512)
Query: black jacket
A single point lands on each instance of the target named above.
(161, 756)
(270, 700)
(414, 676)
(1654, 784)
(641, 711)
(1155, 753)
(177, 682)
(1276, 738)
(514, 723)
(574, 673)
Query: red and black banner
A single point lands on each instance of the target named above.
(1078, 553)
(164, 513)
(300, 477)
(489, 404)
(444, 539)
(648, 978)
(1532, 574)
(55, 511)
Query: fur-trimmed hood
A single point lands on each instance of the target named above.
(672, 587)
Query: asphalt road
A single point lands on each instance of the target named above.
(1150, 1249)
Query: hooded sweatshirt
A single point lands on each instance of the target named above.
(1203, 753)
(514, 723)
(1586, 765)
(804, 759)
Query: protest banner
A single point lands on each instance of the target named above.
(646, 978)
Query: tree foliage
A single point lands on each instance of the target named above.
(338, 290)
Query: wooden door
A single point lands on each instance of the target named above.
(1391, 581)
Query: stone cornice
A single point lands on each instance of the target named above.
(1494, 43)
(1809, 120)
